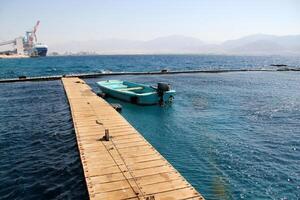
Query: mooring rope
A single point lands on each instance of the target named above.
(114, 146)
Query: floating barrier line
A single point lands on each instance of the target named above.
(95, 75)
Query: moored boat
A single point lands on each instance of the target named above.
(137, 93)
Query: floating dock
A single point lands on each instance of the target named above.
(118, 163)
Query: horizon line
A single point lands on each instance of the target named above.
(181, 35)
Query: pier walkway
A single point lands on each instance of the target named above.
(123, 165)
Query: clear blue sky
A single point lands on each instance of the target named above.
(210, 20)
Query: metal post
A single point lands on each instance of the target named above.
(106, 135)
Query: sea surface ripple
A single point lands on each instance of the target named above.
(39, 157)
(60, 65)
(232, 135)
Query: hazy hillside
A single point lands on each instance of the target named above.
(263, 45)
(259, 44)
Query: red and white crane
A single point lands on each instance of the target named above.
(26, 43)
(31, 35)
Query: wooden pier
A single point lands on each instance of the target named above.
(122, 165)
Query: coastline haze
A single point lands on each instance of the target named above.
(259, 44)
(136, 25)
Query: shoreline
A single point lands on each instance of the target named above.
(12, 56)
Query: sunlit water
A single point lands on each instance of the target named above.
(83, 64)
(232, 135)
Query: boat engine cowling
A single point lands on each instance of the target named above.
(163, 87)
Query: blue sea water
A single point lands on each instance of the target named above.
(83, 64)
(39, 157)
(232, 135)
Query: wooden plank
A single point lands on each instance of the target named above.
(158, 178)
(126, 166)
(119, 194)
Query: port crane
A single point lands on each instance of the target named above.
(23, 45)
(31, 37)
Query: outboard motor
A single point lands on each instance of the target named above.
(161, 89)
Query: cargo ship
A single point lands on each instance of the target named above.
(25, 46)
(39, 49)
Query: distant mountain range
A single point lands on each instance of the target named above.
(259, 44)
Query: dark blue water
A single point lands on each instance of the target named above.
(39, 157)
(82, 64)
(232, 135)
